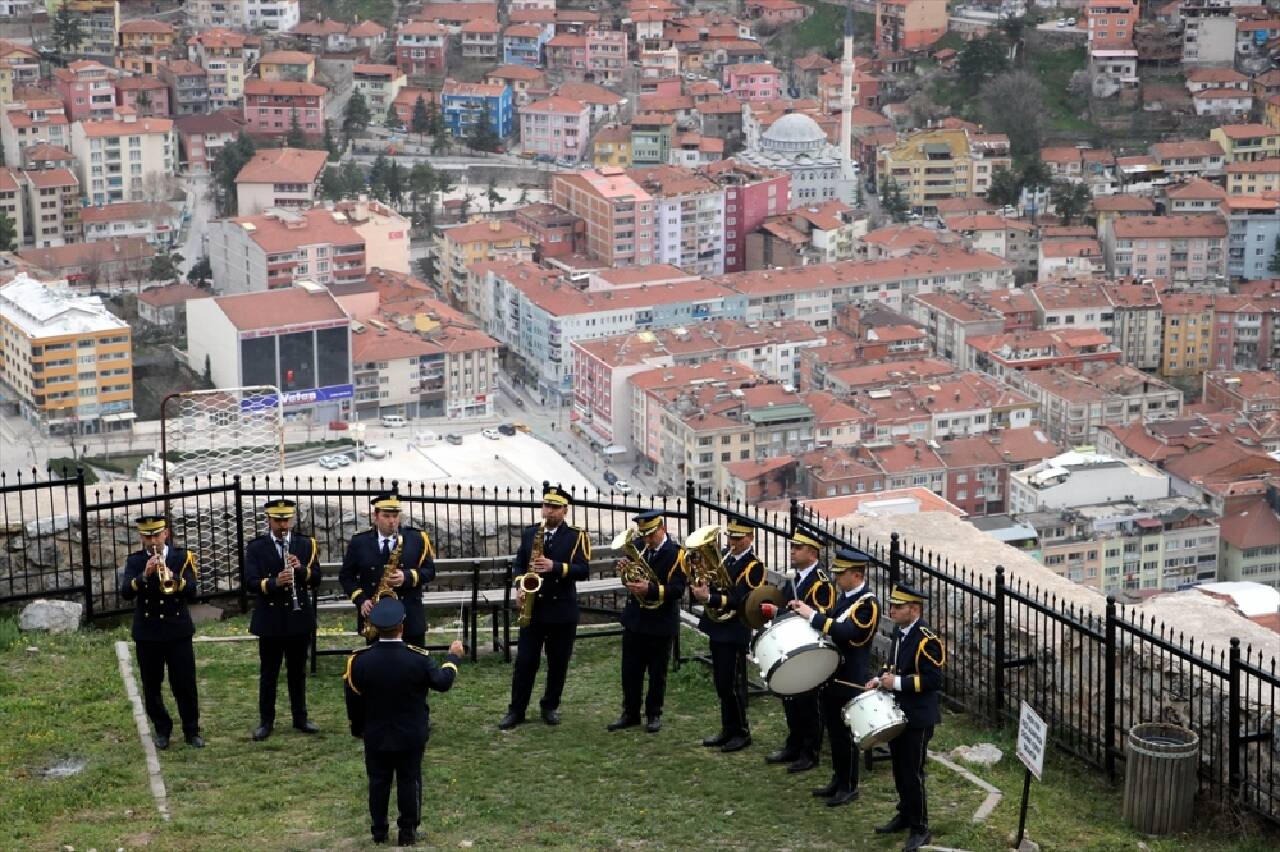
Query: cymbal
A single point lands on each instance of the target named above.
(751, 614)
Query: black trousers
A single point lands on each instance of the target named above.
(729, 673)
(558, 640)
(179, 657)
(909, 751)
(292, 651)
(844, 753)
(643, 652)
(406, 768)
(804, 724)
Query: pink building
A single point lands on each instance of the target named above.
(556, 127)
(753, 81)
(775, 13)
(421, 48)
(148, 95)
(1110, 23)
(751, 194)
(88, 89)
(606, 55)
(269, 107)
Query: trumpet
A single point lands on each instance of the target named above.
(530, 582)
(168, 585)
(634, 568)
(291, 562)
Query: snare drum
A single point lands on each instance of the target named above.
(792, 656)
(874, 717)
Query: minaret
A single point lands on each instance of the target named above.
(847, 175)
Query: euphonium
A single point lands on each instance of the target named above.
(634, 567)
(384, 584)
(706, 567)
(168, 584)
(530, 582)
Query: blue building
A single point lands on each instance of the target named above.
(462, 104)
(522, 44)
(1252, 226)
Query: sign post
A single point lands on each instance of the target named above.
(1033, 736)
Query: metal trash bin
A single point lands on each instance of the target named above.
(1160, 777)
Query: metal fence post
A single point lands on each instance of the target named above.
(690, 511)
(998, 651)
(1109, 686)
(793, 517)
(86, 568)
(244, 593)
(895, 555)
(1233, 719)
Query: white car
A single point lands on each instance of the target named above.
(622, 486)
(329, 462)
(373, 451)
(491, 434)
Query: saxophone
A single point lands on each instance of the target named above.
(385, 588)
(530, 582)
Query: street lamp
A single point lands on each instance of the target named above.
(358, 430)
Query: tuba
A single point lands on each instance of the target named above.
(634, 567)
(530, 582)
(384, 584)
(706, 568)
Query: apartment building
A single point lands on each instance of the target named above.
(1082, 478)
(380, 84)
(100, 25)
(909, 25)
(556, 127)
(202, 137)
(752, 194)
(32, 123)
(145, 44)
(279, 247)
(273, 107)
(226, 58)
(1188, 334)
(1185, 248)
(1246, 142)
(618, 212)
(950, 319)
(463, 104)
(53, 215)
(688, 216)
(279, 177)
(461, 247)
(1137, 323)
(1253, 177)
(1249, 535)
(276, 16)
(422, 48)
(188, 86)
(87, 89)
(932, 165)
(1246, 391)
(125, 158)
(1012, 239)
(1004, 355)
(294, 66)
(157, 223)
(1189, 158)
(753, 82)
(68, 360)
(1253, 225)
(148, 96)
(1075, 405)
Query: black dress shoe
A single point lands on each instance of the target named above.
(195, 741)
(551, 717)
(624, 721)
(161, 741)
(407, 838)
(307, 727)
(823, 792)
(654, 724)
(379, 839)
(916, 840)
(898, 823)
(510, 720)
(738, 743)
(801, 764)
(716, 741)
(782, 755)
(841, 797)
(261, 732)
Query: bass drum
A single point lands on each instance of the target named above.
(792, 656)
(874, 718)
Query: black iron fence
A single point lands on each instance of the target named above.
(1090, 674)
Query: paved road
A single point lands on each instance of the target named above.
(193, 246)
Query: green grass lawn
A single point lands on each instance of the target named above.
(1054, 69)
(348, 10)
(571, 787)
(823, 31)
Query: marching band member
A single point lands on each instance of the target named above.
(565, 560)
(729, 638)
(804, 718)
(161, 580)
(851, 623)
(368, 554)
(916, 676)
(648, 628)
(281, 569)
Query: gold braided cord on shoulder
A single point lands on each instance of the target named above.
(875, 612)
(191, 561)
(427, 549)
(938, 661)
(346, 674)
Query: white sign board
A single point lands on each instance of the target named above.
(1033, 736)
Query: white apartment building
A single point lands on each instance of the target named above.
(1083, 478)
(277, 16)
(125, 158)
(267, 252)
(689, 218)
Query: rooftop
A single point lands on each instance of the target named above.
(41, 310)
(284, 165)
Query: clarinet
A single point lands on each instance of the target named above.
(291, 563)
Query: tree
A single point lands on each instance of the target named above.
(492, 195)
(201, 272)
(392, 181)
(1036, 175)
(420, 121)
(8, 233)
(68, 33)
(230, 160)
(482, 136)
(436, 128)
(208, 370)
(1004, 189)
(355, 117)
(981, 59)
(1071, 200)
(295, 138)
(892, 201)
(378, 176)
(353, 179)
(1013, 104)
(331, 184)
(1273, 265)
(464, 208)
(392, 120)
(164, 267)
(330, 144)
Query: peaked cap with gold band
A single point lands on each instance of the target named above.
(556, 496)
(739, 527)
(847, 557)
(386, 503)
(280, 508)
(806, 540)
(150, 524)
(647, 522)
(904, 594)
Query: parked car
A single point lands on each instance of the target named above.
(426, 437)
(622, 486)
(342, 459)
(453, 438)
(490, 434)
(329, 462)
(507, 429)
(374, 451)
(610, 477)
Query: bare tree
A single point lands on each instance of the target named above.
(158, 186)
(1013, 104)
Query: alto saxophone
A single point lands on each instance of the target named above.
(530, 582)
(385, 588)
